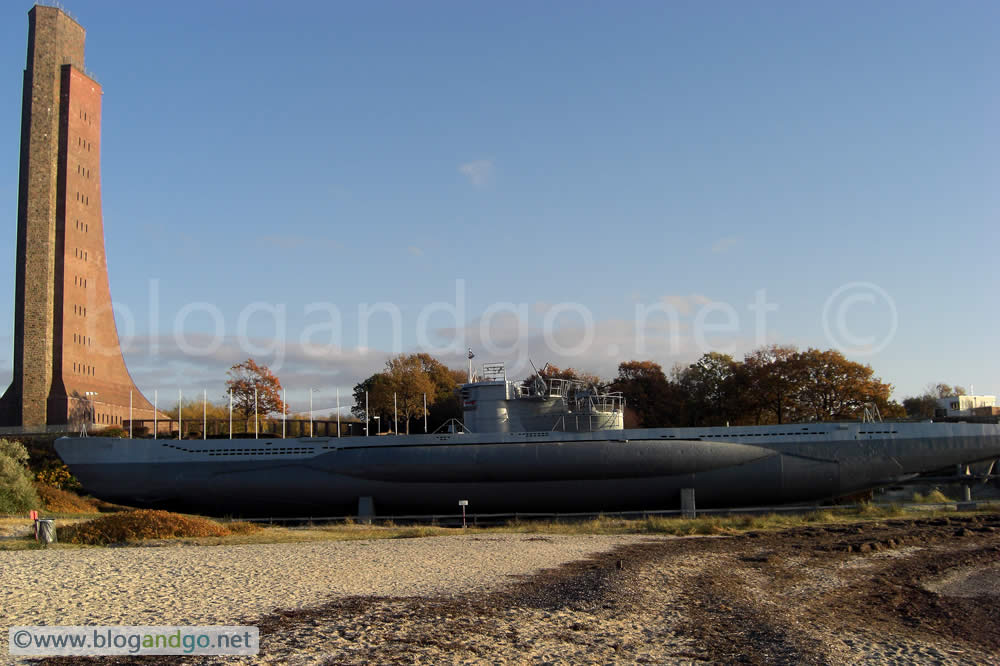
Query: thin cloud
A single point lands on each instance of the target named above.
(479, 172)
(678, 303)
(725, 244)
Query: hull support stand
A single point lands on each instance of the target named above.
(366, 509)
(687, 503)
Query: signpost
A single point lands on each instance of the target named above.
(463, 504)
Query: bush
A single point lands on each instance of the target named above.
(56, 500)
(242, 527)
(17, 492)
(57, 475)
(146, 524)
(111, 431)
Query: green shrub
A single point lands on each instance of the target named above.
(15, 451)
(57, 475)
(17, 490)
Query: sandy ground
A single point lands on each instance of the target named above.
(888, 592)
(214, 585)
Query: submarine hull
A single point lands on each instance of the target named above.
(525, 472)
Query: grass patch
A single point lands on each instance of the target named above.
(162, 528)
(715, 525)
(933, 497)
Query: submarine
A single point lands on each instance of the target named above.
(550, 445)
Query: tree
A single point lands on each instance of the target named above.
(654, 400)
(940, 390)
(710, 385)
(17, 492)
(920, 406)
(924, 405)
(836, 388)
(446, 381)
(550, 371)
(374, 387)
(771, 378)
(247, 380)
(409, 383)
(407, 379)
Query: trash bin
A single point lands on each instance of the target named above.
(47, 531)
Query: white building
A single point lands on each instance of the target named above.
(962, 405)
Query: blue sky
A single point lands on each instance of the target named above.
(265, 166)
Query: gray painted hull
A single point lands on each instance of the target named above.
(542, 471)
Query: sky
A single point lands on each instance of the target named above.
(324, 184)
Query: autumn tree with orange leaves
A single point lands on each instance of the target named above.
(247, 377)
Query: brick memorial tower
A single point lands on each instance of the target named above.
(68, 364)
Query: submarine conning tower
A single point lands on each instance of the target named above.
(493, 403)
